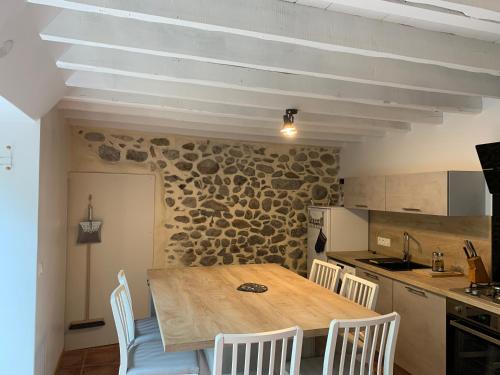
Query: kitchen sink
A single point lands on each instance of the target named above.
(393, 264)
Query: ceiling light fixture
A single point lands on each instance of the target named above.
(288, 129)
(6, 47)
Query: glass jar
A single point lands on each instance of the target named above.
(437, 261)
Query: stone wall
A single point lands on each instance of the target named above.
(221, 202)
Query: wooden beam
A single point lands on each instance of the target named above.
(201, 128)
(83, 84)
(282, 21)
(273, 123)
(202, 135)
(466, 21)
(250, 80)
(480, 9)
(278, 58)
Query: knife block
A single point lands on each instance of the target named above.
(477, 272)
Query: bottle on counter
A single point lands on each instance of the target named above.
(438, 261)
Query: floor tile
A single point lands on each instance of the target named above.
(101, 370)
(72, 358)
(102, 355)
(70, 371)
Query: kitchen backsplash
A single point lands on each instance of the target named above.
(430, 233)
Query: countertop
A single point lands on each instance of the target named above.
(440, 286)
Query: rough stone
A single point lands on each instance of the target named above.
(171, 154)
(189, 202)
(190, 156)
(319, 192)
(208, 166)
(214, 205)
(280, 237)
(240, 180)
(160, 141)
(109, 153)
(295, 254)
(230, 233)
(222, 223)
(213, 232)
(170, 202)
(240, 223)
(253, 204)
(297, 204)
(188, 146)
(316, 164)
(138, 156)
(264, 168)
(184, 165)
(298, 232)
(256, 240)
(235, 153)
(328, 159)
(283, 158)
(208, 260)
(284, 184)
(181, 236)
(182, 219)
(300, 157)
(188, 258)
(274, 259)
(296, 167)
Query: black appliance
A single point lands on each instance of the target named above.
(489, 156)
(473, 340)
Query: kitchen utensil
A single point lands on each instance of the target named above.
(477, 272)
(466, 252)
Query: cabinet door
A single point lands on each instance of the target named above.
(365, 193)
(421, 345)
(384, 302)
(422, 193)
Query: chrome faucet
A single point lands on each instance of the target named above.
(406, 247)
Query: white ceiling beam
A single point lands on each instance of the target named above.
(285, 22)
(279, 57)
(425, 13)
(162, 90)
(228, 110)
(478, 9)
(202, 127)
(163, 129)
(172, 41)
(243, 79)
(273, 123)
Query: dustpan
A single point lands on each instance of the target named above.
(89, 232)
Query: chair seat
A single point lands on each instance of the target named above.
(147, 330)
(314, 366)
(148, 358)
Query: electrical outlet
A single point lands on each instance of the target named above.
(384, 241)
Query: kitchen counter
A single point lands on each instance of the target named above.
(438, 285)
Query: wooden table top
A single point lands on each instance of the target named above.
(194, 304)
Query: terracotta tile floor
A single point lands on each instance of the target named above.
(103, 360)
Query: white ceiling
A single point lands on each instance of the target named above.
(229, 68)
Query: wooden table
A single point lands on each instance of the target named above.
(194, 304)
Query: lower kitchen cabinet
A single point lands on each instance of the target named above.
(421, 345)
(384, 303)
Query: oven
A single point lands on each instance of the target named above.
(472, 340)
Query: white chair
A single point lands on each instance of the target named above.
(361, 291)
(146, 358)
(145, 329)
(259, 353)
(375, 355)
(325, 274)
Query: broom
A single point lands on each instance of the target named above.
(89, 232)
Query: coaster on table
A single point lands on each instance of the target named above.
(252, 287)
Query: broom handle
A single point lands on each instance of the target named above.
(87, 286)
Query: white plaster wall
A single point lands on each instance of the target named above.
(18, 240)
(450, 146)
(52, 213)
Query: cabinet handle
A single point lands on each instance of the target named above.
(371, 276)
(362, 206)
(416, 291)
(412, 209)
(473, 332)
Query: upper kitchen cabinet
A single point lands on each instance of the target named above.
(366, 193)
(449, 193)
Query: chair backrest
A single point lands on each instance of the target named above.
(268, 340)
(359, 290)
(325, 274)
(124, 324)
(122, 279)
(373, 356)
